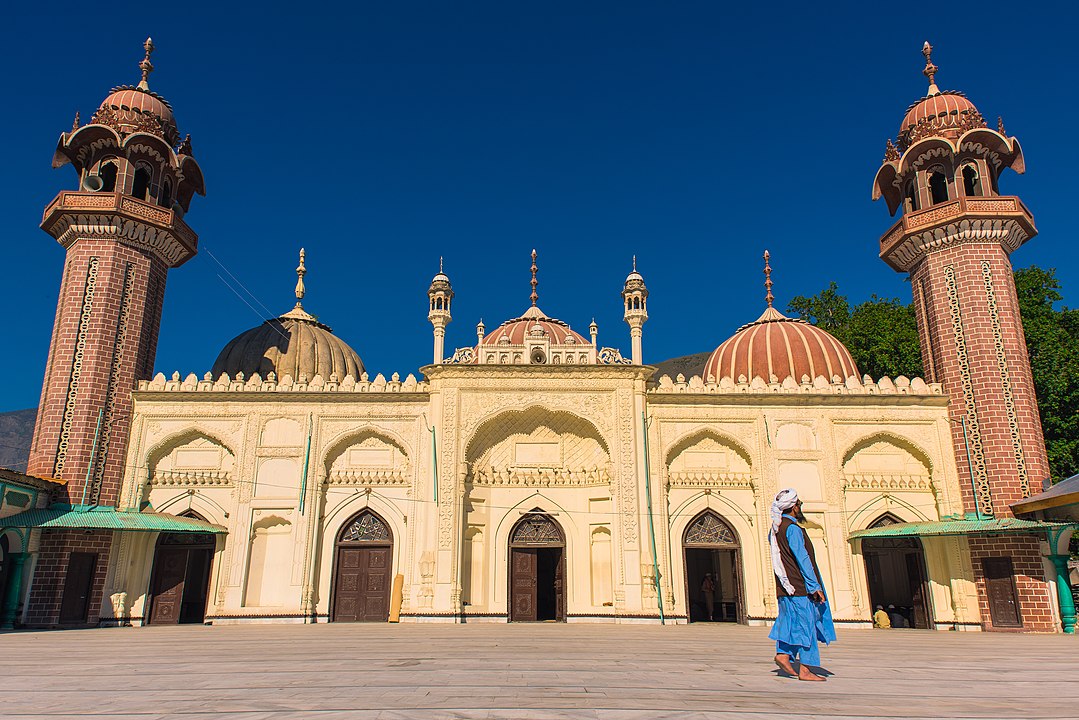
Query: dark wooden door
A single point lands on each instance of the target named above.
(1000, 590)
(362, 586)
(523, 572)
(560, 586)
(78, 584)
(170, 572)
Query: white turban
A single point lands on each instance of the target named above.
(785, 500)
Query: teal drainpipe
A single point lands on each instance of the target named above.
(651, 522)
(306, 462)
(14, 590)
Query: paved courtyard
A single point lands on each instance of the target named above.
(325, 672)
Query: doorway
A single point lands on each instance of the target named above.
(895, 569)
(1000, 592)
(180, 580)
(78, 584)
(713, 571)
(361, 585)
(537, 570)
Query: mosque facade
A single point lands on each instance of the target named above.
(535, 475)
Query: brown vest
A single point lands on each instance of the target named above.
(790, 564)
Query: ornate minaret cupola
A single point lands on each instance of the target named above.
(123, 229)
(441, 296)
(635, 296)
(954, 239)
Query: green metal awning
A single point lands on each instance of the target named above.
(83, 517)
(966, 526)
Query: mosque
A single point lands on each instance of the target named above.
(533, 476)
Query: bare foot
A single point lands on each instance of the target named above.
(784, 663)
(804, 673)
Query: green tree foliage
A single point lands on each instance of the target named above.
(882, 336)
(880, 333)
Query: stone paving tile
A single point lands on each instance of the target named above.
(599, 672)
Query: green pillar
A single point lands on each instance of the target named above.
(14, 589)
(1064, 592)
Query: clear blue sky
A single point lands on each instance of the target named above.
(383, 135)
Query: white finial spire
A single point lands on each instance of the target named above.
(301, 270)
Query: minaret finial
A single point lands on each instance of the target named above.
(534, 296)
(768, 278)
(301, 270)
(440, 263)
(930, 70)
(634, 263)
(146, 66)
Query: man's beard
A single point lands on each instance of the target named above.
(797, 513)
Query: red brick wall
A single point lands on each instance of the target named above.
(118, 338)
(47, 590)
(933, 307)
(1035, 599)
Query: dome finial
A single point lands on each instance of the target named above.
(534, 297)
(440, 263)
(634, 263)
(930, 70)
(146, 66)
(768, 279)
(301, 270)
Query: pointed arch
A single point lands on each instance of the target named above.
(498, 426)
(887, 436)
(182, 437)
(691, 438)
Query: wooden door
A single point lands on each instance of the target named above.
(523, 576)
(78, 584)
(560, 586)
(167, 589)
(362, 586)
(1000, 591)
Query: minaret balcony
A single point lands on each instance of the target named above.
(160, 231)
(1002, 219)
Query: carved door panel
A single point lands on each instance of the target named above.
(919, 591)
(362, 587)
(170, 571)
(523, 571)
(1000, 591)
(560, 586)
(78, 584)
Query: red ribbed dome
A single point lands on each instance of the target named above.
(131, 109)
(515, 331)
(776, 345)
(940, 112)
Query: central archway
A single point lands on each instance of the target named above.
(895, 570)
(713, 562)
(361, 579)
(537, 574)
(180, 578)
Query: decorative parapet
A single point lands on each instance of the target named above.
(368, 477)
(256, 384)
(818, 386)
(879, 483)
(707, 479)
(539, 477)
(186, 478)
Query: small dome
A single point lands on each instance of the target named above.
(129, 109)
(776, 345)
(942, 113)
(289, 345)
(534, 322)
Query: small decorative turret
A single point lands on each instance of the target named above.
(441, 296)
(635, 296)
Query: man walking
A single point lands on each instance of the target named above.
(804, 616)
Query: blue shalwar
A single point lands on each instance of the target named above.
(802, 622)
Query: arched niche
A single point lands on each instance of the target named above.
(885, 461)
(369, 451)
(270, 562)
(191, 458)
(281, 432)
(554, 446)
(708, 454)
(795, 436)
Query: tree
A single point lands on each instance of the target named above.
(882, 336)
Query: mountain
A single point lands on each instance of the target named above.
(16, 431)
(688, 365)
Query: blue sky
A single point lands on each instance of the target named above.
(382, 135)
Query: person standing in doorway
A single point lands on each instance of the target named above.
(708, 588)
(881, 619)
(804, 616)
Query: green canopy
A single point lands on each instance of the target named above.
(88, 517)
(965, 526)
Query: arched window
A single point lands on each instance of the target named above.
(938, 186)
(912, 196)
(972, 184)
(165, 200)
(107, 172)
(140, 188)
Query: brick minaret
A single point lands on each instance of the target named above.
(122, 229)
(954, 240)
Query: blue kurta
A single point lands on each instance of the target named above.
(802, 622)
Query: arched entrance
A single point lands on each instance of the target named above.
(537, 570)
(895, 568)
(180, 579)
(361, 581)
(713, 570)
